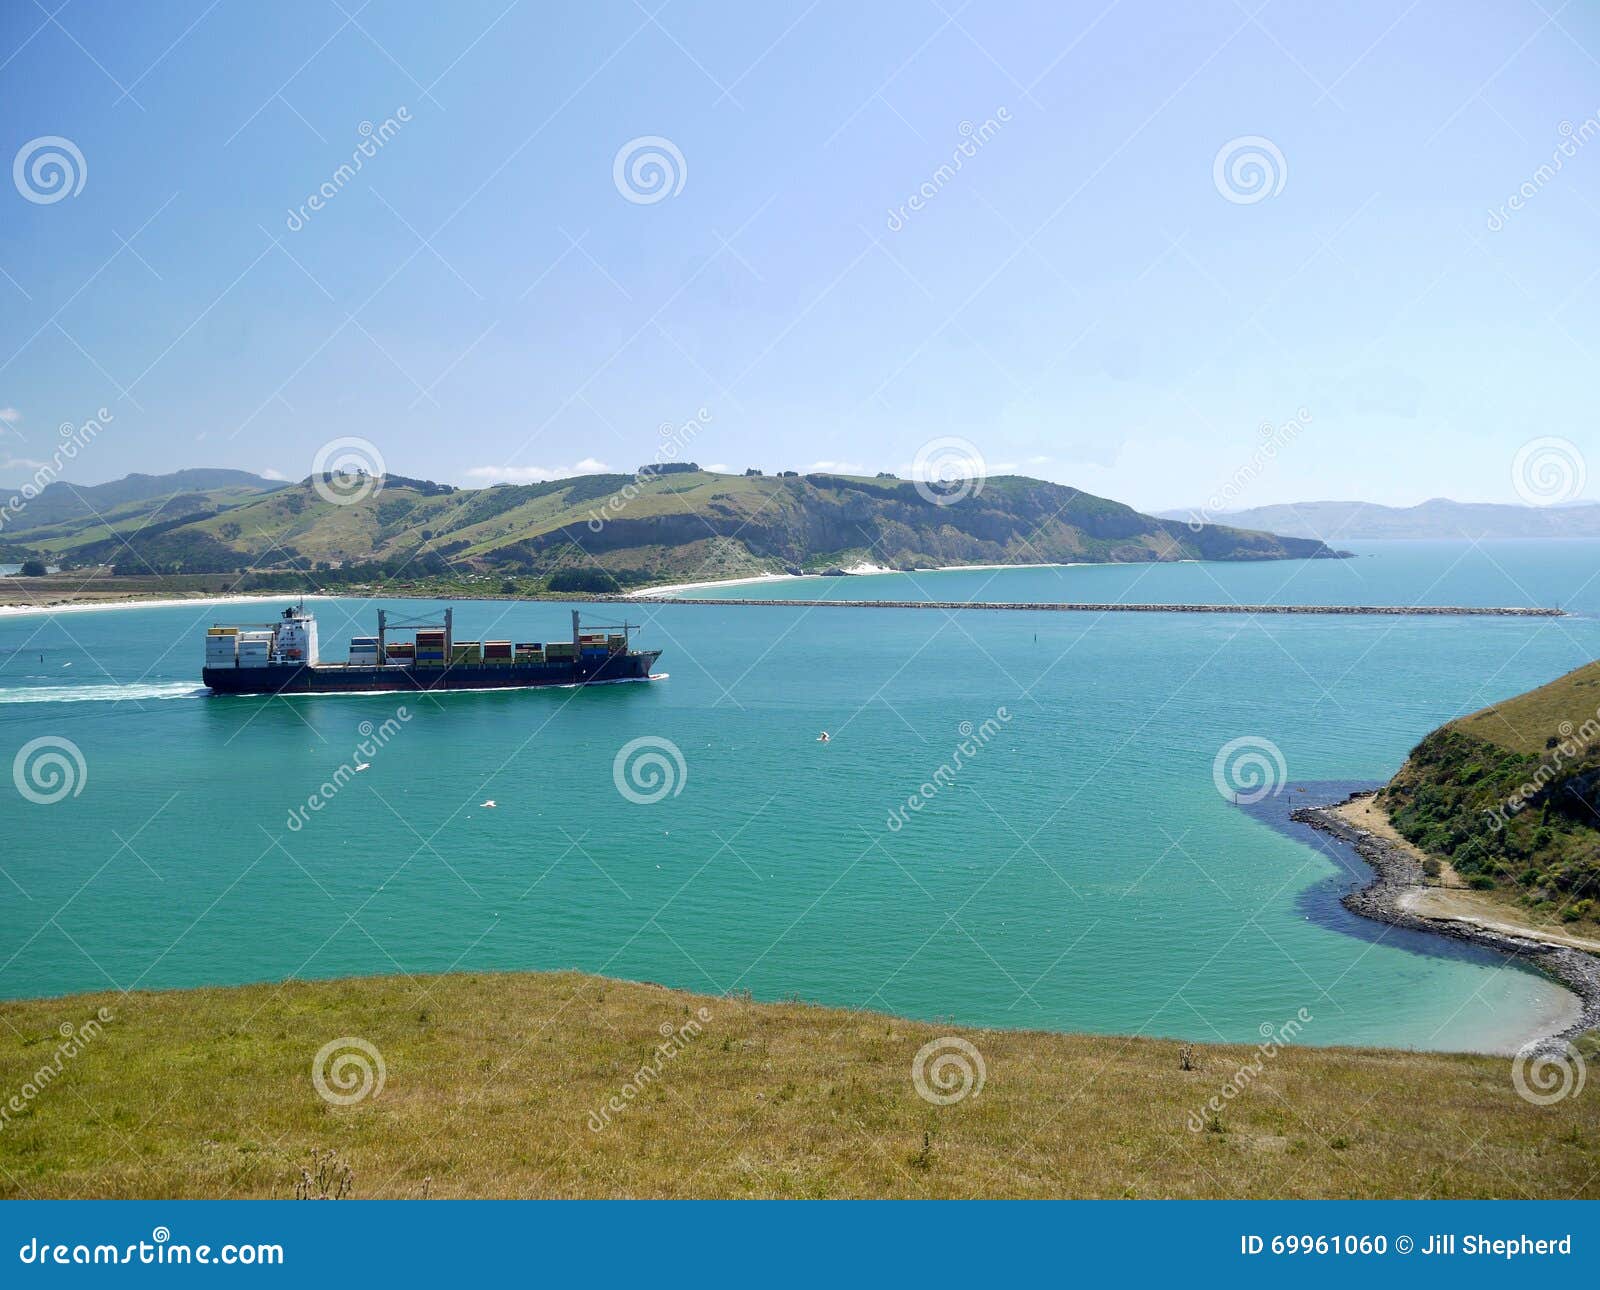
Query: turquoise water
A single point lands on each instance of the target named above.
(1079, 871)
(1381, 573)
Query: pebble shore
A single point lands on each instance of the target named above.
(1396, 874)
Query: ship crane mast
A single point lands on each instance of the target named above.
(384, 627)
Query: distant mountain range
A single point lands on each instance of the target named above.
(65, 504)
(1440, 518)
(664, 522)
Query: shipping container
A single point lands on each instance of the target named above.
(286, 657)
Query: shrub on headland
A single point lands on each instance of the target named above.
(1502, 818)
(590, 580)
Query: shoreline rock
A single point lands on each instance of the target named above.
(1396, 873)
(1121, 607)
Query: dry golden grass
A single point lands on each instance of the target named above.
(1525, 723)
(491, 1082)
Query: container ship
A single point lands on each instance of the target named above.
(281, 658)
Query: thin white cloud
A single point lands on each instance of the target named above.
(10, 416)
(22, 463)
(837, 468)
(536, 474)
(270, 473)
(718, 468)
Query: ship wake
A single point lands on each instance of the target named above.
(135, 692)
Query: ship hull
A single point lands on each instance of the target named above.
(297, 678)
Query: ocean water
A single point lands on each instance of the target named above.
(1074, 867)
(1562, 574)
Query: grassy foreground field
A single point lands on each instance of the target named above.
(519, 1085)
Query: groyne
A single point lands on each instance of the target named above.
(1070, 607)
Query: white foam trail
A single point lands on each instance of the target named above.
(142, 692)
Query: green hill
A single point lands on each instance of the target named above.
(1510, 796)
(671, 522)
(82, 523)
(61, 506)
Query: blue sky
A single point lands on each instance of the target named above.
(1080, 299)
